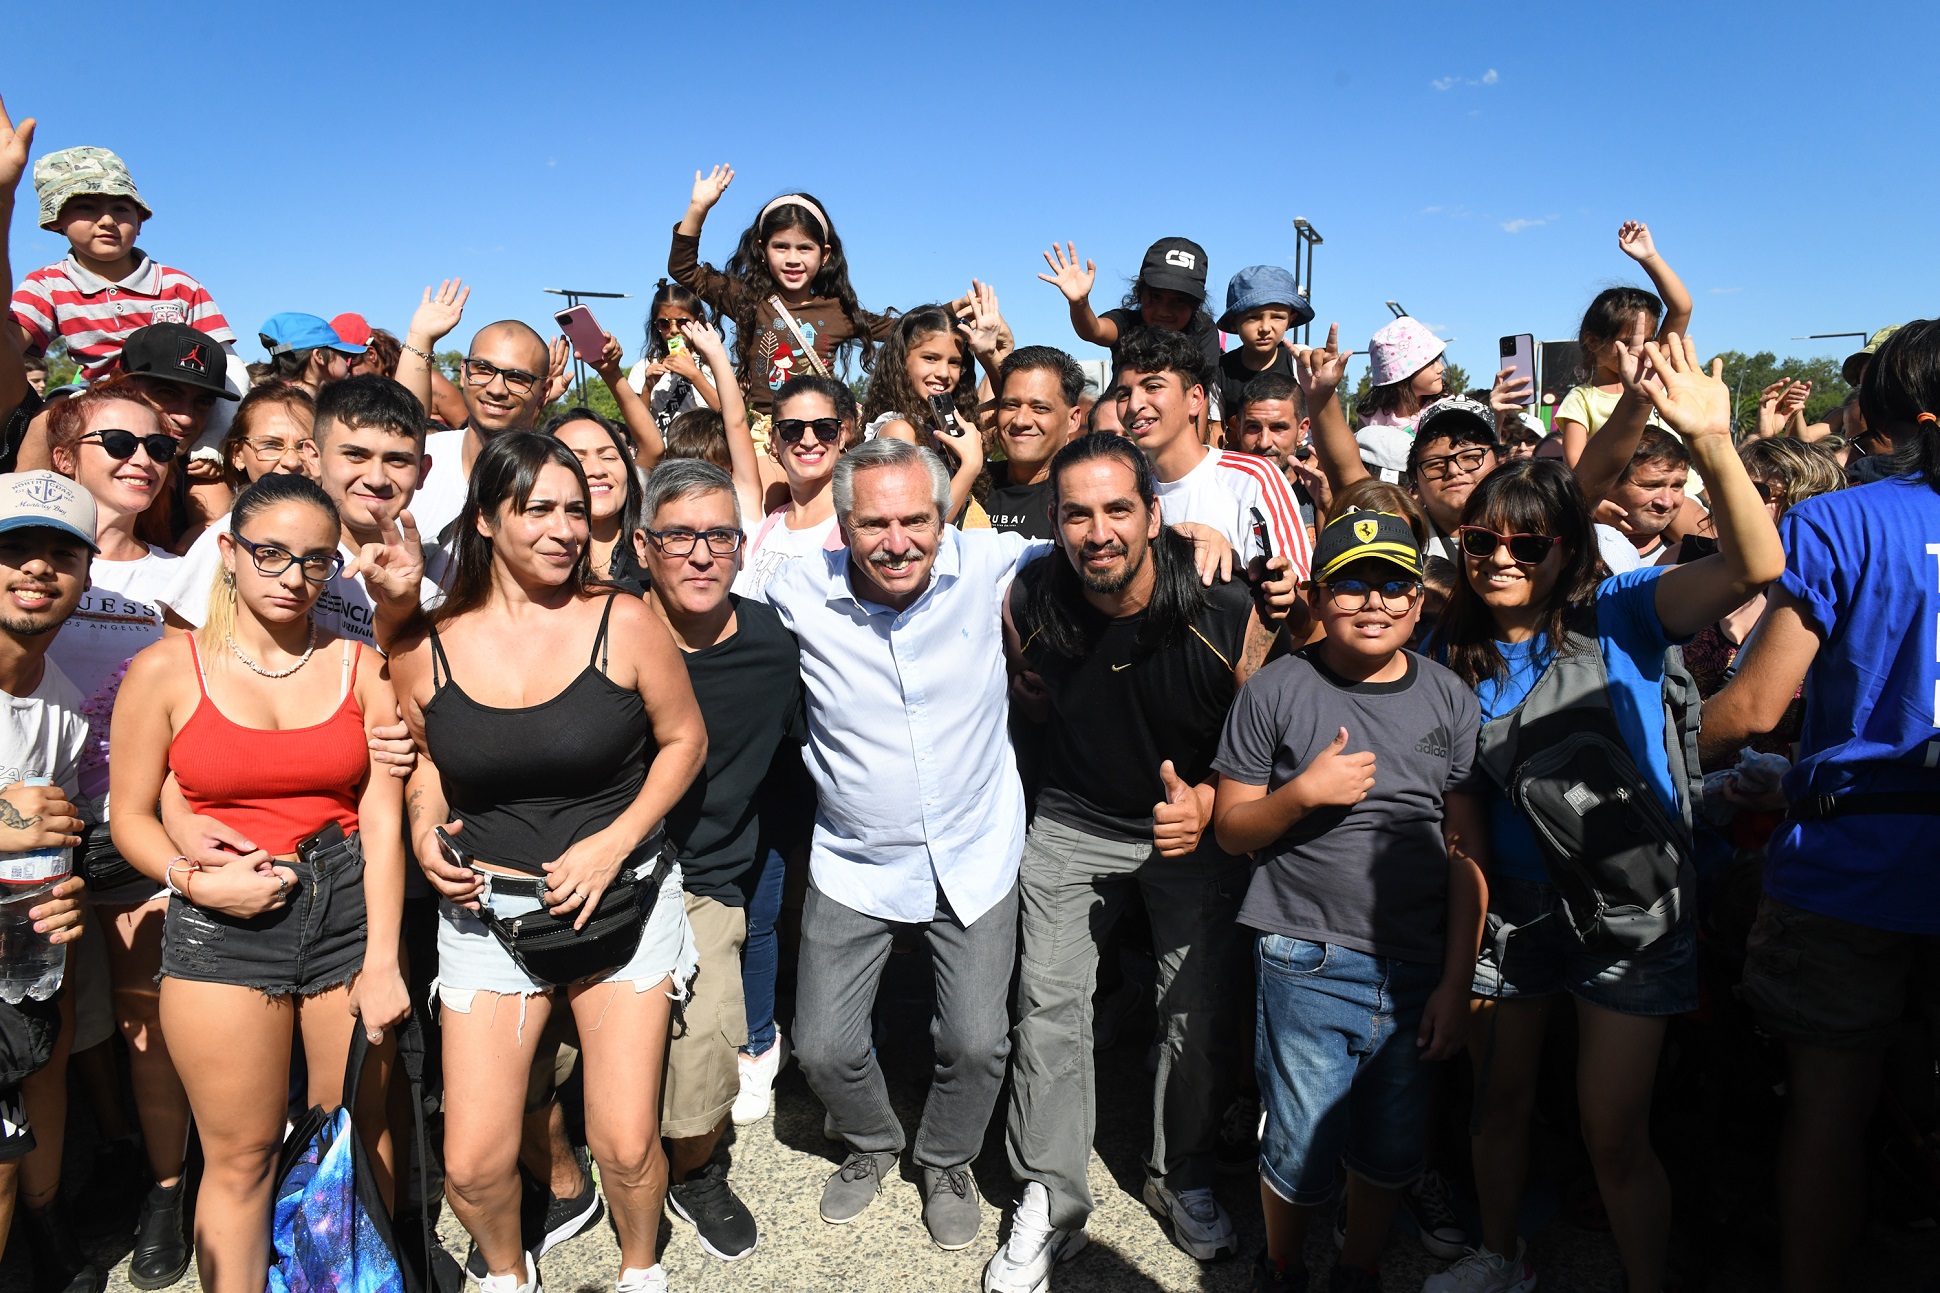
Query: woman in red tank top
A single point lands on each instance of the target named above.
(259, 716)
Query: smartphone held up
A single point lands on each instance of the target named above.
(584, 331)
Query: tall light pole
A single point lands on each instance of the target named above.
(1305, 239)
(573, 297)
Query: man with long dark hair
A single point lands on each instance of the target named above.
(1140, 663)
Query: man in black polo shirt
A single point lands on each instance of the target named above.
(1139, 663)
(747, 675)
(1038, 389)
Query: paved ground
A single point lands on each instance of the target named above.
(780, 1164)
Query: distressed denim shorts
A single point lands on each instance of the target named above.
(311, 944)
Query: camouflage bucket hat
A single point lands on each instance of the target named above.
(74, 171)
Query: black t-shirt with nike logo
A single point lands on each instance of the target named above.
(1373, 877)
(1123, 709)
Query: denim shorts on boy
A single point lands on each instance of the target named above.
(312, 943)
(1827, 982)
(1340, 1077)
(472, 960)
(1545, 956)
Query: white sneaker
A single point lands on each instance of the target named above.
(1482, 1271)
(511, 1283)
(758, 1073)
(635, 1280)
(1023, 1265)
(1199, 1225)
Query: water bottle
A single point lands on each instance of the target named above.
(31, 964)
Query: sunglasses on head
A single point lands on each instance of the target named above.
(791, 430)
(121, 444)
(1524, 549)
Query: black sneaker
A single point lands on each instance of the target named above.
(568, 1218)
(1238, 1149)
(720, 1220)
(161, 1253)
(1431, 1206)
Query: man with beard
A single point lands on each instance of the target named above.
(1140, 663)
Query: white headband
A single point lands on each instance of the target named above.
(800, 201)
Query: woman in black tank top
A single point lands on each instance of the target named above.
(557, 728)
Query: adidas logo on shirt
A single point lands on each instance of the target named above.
(1435, 743)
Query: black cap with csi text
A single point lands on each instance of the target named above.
(1175, 265)
(178, 353)
(1366, 536)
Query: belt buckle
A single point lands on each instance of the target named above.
(1824, 806)
(485, 885)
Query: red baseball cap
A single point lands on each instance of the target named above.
(352, 328)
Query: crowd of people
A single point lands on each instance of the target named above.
(1387, 730)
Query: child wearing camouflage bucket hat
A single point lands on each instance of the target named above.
(106, 287)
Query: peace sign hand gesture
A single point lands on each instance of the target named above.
(1065, 275)
(392, 568)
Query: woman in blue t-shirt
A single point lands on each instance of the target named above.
(1530, 567)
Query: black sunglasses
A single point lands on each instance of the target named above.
(1524, 549)
(121, 444)
(791, 430)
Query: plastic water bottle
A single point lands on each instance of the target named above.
(31, 965)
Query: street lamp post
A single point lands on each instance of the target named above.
(573, 297)
(1305, 239)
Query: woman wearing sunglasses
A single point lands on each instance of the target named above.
(815, 417)
(117, 444)
(1532, 589)
(259, 717)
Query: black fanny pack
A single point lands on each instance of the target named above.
(101, 864)
(550, 950)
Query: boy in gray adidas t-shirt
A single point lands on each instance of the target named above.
(1336, 770)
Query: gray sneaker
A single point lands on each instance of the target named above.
(951, 1208)
(854, 1186)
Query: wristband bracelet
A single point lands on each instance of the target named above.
(168, 876)
(429, 359)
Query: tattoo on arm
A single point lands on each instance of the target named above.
(13, 819)
(414, 805)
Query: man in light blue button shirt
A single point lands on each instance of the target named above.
(921, 819)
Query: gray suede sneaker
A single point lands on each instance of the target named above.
(854, 1186)
(951, 1208)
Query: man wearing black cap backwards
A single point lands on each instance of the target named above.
(1134, 664)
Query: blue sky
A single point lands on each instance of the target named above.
(1472, 162)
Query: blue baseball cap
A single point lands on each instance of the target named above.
(283, 333)
(1258, 285)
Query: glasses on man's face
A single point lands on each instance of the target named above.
(318, 567)
(1394, 594)
(680, 542)
(670, 322)
(120, 444)
(272, 450)
(1462, 460)
(479, 372)
(1481, 542)
(791, 430)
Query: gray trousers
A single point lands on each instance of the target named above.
(1067, 911)
(842, 956)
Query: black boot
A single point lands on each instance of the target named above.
(59, 1264)
(162, 1249)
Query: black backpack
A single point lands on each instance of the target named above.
(1621, 863)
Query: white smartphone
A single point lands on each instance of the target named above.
(1519, 356)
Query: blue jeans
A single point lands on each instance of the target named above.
(1340, 1077)
(761, 954)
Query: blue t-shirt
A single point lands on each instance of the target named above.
(1864, 565)
(1633, 644)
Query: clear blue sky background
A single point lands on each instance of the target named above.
(1471, 161)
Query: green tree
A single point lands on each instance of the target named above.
(450, 363)
(591, 394)
(61, 368)
(1454, 379)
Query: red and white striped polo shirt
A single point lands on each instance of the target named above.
(1224, 491)
(95, 316)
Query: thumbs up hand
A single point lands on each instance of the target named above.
(1335, 779)
(1178, 823)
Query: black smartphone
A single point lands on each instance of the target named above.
(449, 847)
(943, 411)
(1262, 535)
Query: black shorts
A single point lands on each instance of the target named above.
(313, 943)
(16, 1137)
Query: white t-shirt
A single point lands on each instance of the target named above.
(44, 733)
(779, 546)
(118, 616)
(441, 498)
(1224, 491)
(344, 607)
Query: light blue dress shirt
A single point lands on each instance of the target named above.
(908, 737)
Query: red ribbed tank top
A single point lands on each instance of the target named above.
(276, 787)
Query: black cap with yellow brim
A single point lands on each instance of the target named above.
(1365, 536)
